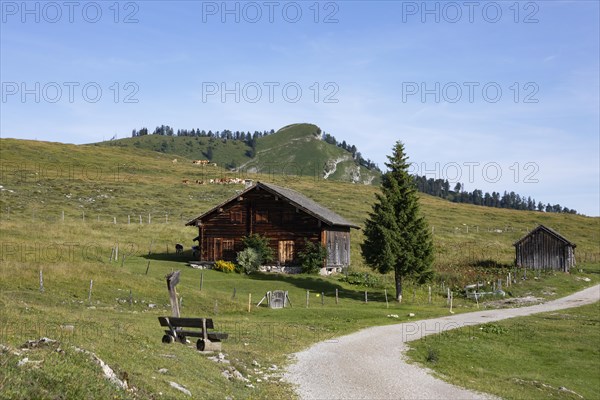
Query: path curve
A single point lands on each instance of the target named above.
(370, 364)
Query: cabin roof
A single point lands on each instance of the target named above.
(294, 198)
(552, 232)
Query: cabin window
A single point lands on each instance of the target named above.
(227, 244)
(236, 217)
(286, 251)
(262, 216)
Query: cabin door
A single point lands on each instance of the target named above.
(218, 249)
(286, 251)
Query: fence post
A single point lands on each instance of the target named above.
(336, 296)
(322, 298)
(41, 281)
(387, 305)
(201, 280)
(429, 296)
(366, 297)
(249, 302)
(148, 267)
(90, 291)
(307, 294)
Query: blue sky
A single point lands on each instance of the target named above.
(498, 95)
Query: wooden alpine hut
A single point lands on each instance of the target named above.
(545, 249)
(286, 217)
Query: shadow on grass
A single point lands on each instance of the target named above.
(182, 257)
(320, 285)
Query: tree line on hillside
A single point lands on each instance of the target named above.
(166, 130)
(367, 163)
(441, 188)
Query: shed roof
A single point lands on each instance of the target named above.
(291, 196)
(552, 232)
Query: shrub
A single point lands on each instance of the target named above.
(248, 260)
(224, 266)
(432, 355)
(261, 245)
(362, 279)
(311, 257)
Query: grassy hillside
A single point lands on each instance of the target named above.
(96, 186)
(294, 150)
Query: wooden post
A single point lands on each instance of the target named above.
(451, 297)
(307, 294)
(322, 298)
(90, 291)
(366, 297)
(249, 302)
(140, 219)
(172, 281)
(387, 305)
(116, 250)
(149, 219)
(147, 267)
(63, 216)
(112, 253)
(448, 298)
(233, 296)
(201, 280)
(41, 281)
(123, 260)
(115, 220)
(336, 296)
(130, 298)
(429, 296)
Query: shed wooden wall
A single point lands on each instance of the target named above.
(541, 250)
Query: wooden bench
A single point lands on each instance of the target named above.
(208, 341)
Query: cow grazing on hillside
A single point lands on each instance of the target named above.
(178, 248)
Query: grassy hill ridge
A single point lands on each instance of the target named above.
(296, 148)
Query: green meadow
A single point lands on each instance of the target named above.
(64, 208)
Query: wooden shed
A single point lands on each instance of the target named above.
(545, 249)
(284, 216)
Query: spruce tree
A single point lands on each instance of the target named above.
(396, 234)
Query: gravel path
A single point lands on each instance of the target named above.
(370, 364)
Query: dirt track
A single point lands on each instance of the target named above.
(370, 364)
